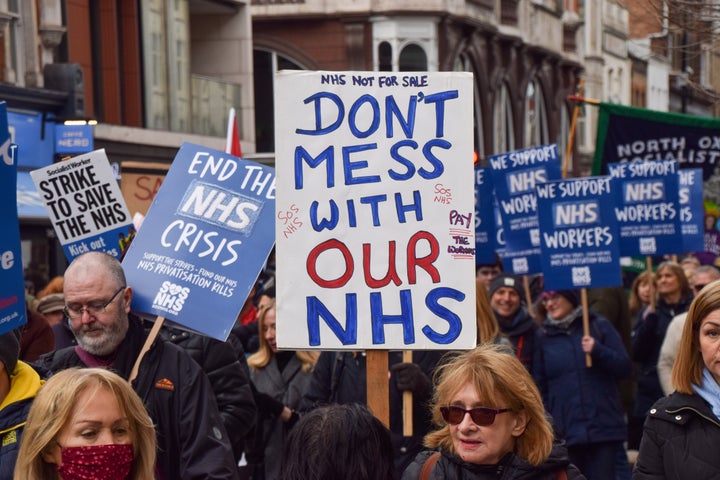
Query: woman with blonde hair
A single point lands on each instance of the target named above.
(682, 431)
(491, 423)
(87, 423)
(280, 378)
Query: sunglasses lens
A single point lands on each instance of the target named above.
(452, 415)
(482, 416)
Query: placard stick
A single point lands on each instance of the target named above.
(148, 342)
(573, 127)
(528, 296)
(586, 322)
(378, 387)
(407, 402)
(648, 267)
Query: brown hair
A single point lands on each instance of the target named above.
(634, 301)
(500, 380)
(487, 325)
(689, 364)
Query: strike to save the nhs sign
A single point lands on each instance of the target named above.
(375, 227)
(204, 240)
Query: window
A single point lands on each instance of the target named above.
(384, 57)
(536, 127)
(463, 64)
(265, 64)
(504, 133)
(412, 59)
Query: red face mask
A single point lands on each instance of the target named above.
(97, 462)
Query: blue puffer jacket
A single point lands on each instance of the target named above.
(583, 401)
(24, 385)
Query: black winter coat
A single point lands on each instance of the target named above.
(648, 336)
(680, 441)
(228, 378)
(192, 442)
(510, 467)
(521, 329)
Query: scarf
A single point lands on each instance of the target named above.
(709, 391)
(563, 323)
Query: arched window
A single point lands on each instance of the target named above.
(504, 133)
(266, 63)
(536, 127)
(384, 57)
(412, 59)
(463, 64)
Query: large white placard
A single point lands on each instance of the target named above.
(375, 227)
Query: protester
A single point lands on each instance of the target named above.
(192, 441)
(641, 293)
(485, 272)
(703, 275)
(36, 336)
(682, 431)
(338, 442)
(512, 316)
(87, 423)
(340, 377)
(19, 383)
(491, 423)
(673, 297)
(229, 379)
(584, 401)
(281, 377)
(488, 329)
(51, 306)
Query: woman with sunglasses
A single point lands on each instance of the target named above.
(583, 401)
(491, 423)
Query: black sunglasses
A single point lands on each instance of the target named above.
(482, 416)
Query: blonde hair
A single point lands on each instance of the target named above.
(262, 357)
(688, 367)
(501, 381)
(487, 326)
(53, 408)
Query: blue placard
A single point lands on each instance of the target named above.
(12, 295)
(35, 138)
(691, 209)
(579, 234)
(74, 139)
(647, 207)
(515, 176)
(204, 241)
(486, 229)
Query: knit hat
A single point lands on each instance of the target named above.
(569, 295)
(54, 302)
(504, 279)
(9, 350)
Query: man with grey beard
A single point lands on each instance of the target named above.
(192, 441)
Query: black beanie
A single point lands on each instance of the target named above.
(9, 350)
(569, 295)
(504, 279)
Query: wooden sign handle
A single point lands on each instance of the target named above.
(146, 346)
(378, 387)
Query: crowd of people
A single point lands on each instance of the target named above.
(611, 386)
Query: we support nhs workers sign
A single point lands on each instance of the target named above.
(375, 227)
(84, 204)
(647, 207)
(488, 232)
(515, 176)
(12, 293)
(692, 210)
(204, 241)
(579, 234)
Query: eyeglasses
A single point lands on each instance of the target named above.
(93, 308)
(481, 416)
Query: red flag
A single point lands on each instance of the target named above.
(232, 144)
